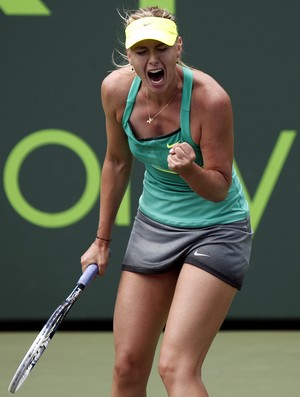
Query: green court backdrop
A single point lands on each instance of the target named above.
(53, 57)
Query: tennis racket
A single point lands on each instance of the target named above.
(46, 334)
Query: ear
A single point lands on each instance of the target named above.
(179, 45)
(128, 55)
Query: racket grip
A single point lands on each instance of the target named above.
(88, 275)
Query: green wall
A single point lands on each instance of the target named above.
(53, 57)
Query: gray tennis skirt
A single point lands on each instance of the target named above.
(221, 250)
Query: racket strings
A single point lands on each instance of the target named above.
(42, 340)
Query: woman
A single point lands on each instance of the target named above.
(190, 243)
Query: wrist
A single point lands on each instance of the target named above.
(188, 171)
(103, 240)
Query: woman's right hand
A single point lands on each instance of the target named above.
(96, 253)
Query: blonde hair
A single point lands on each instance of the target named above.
(128, 17)
(146, 12)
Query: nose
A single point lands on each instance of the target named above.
(153, 59)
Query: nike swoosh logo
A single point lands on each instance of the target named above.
(173, 144)
(199, 254)
(163, 170)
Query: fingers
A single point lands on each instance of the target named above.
(180, 157)
(101, 270)
(97, 255)
(178, 149)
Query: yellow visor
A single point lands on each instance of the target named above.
(151, 28)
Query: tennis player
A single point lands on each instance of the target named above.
(190, 243)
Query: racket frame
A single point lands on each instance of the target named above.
(44, 337)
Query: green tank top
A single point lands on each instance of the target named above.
(166, 197)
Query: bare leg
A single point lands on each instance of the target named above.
(200, 304)
(141, 310)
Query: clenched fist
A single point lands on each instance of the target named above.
(181, 157)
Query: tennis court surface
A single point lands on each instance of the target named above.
(76, 364)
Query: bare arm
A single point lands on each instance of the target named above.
(215, 137)
(116, 168)
(115, 177)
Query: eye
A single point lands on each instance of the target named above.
(162, 49)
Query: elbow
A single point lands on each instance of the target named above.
(216, 196)
(117, 165)
(221, 194)
(219, 198)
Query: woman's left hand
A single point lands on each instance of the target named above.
(181, 157)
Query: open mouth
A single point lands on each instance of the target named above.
(156, 76)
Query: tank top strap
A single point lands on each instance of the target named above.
(135, 86)
(186, 103)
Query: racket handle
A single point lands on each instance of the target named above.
(88, 275)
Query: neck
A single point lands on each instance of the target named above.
(152, 116)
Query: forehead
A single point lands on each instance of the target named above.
(149, 43)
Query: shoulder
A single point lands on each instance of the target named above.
(114, 91)
(209, 93)
(117, 81)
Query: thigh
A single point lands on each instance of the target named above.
(142, 305)
(200, 304)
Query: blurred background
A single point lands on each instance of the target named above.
(53, 57)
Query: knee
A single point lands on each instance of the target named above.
(167, 368)
(124, 367)
(128, 369)
(177, 368)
